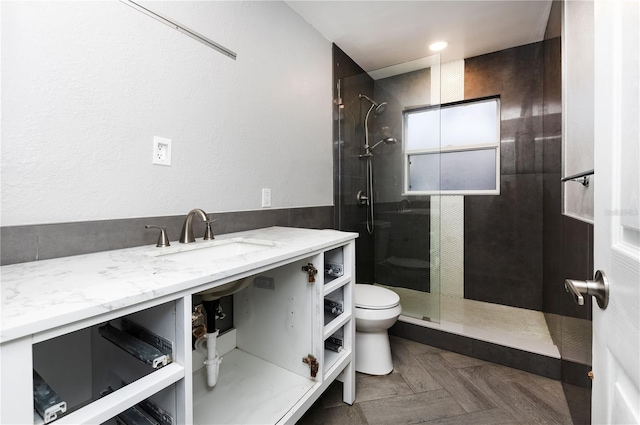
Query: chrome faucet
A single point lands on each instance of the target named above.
(187, 228)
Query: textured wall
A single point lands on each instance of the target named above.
(578, 98)
(86, 86)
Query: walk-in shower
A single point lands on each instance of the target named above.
(366, 198)
(482, 274)
(435, 249)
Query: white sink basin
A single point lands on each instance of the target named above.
(203, 252)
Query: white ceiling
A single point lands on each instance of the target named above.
(377, 34)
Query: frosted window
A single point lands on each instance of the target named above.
(470, 124)
(462, 170)
(423, 129)
(453, 148)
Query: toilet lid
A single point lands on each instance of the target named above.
(375, 297)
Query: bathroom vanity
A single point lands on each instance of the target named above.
(111, 332)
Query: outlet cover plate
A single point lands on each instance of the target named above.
(266, 198)
(161, 151)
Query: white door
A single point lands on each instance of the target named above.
(616, 330)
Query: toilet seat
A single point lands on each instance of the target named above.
(372, 297)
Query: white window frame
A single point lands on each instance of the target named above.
(408, 152)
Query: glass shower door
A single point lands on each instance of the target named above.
(408, 248)
(399, 247)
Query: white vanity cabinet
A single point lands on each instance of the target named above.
(281, 329)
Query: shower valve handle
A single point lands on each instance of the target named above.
(362, 198)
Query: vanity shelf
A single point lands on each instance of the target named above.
(335, 284)
(249, 391)
(336, 324)
(110, 405)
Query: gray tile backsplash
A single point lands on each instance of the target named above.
(40, 242)
(19, 244)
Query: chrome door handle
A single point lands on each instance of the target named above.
(598, 288)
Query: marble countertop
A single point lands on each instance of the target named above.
(42, 295)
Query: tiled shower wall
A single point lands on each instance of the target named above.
(503, 234)
(349, 172)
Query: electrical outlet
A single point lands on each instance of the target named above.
(161, 151)
(266, 198)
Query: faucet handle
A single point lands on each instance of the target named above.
(163, 240)
(208, 233)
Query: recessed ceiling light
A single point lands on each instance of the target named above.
(438, 45)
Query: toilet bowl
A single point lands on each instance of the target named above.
(377, 309)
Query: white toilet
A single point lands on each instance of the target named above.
(377, 309)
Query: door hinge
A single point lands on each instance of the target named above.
(313, 364)
(311, 271)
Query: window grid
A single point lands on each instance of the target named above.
(435, 177)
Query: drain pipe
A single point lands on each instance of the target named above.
(209, 340)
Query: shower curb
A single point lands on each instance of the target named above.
(538, 364)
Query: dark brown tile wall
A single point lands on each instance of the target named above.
(518, 246)
(552, 188)
(504, 233)
(408, 237)
(577, 263)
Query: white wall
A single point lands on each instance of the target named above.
(578, 63)
(86, 86)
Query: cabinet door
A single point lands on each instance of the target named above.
(273, 316)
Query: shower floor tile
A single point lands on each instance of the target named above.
(505, 325)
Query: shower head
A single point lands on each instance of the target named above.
(387, 141)
(380, 107)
